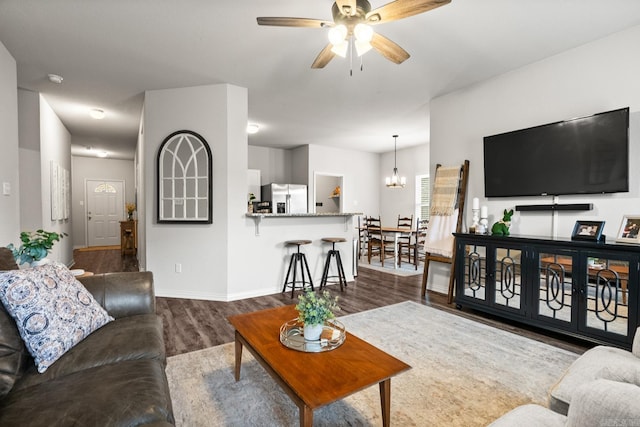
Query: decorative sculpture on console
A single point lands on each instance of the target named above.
(501, 228)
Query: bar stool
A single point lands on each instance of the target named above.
(297, 258)
(333, 254)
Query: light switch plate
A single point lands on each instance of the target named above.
(6, 188)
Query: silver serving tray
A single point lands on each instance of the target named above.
(332, 337)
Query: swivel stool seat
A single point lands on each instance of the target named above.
(298, 259)
(333, 254)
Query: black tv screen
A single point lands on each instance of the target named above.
(580, 156)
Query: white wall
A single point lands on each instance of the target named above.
(30, 173)
(411, 162)
(274, 164)
(360, 189)
(9, 205)
(55, 145)
(595, 77)
(205, 251)
(141, 194)
(84, 168)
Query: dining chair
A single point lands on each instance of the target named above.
(404, 223)
(362, 236)
(377, 244)
(415, 248)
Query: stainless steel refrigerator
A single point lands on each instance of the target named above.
(286, 198)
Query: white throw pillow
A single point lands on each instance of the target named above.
(53, 310)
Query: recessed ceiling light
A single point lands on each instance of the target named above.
(253, 128)
(54, 78)
(96, 113)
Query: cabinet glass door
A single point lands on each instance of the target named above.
(606, 296)
(555, 287)
(475, 266)
(508, 278)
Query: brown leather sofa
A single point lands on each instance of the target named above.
(114, 377)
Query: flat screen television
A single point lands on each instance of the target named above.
(587, 155)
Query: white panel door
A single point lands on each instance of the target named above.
(105, 210)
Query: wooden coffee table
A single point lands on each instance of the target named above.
(313, 380)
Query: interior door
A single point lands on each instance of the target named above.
(105, 210)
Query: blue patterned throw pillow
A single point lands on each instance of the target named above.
(53, 311)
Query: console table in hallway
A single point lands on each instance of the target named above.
(128, 237)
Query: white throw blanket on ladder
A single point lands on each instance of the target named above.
(439, 239)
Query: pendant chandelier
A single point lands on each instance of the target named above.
(395, 181)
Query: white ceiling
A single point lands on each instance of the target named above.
(110, 51)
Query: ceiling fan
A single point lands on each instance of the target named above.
(351, 23)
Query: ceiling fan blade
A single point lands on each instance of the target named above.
(294, 22)
(323, 57)
(347, 7)
(400, 9)
(389, 49)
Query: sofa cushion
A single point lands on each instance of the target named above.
(13, 353)
(530, 415)
(127, 338)
(52, 310)
(604, 403)
(587, 368)
(7, 261)
(635, 349)
(130, 393)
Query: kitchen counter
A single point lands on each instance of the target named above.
(285, 215)
(271, 255)
(257, 217)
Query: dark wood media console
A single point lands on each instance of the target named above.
(583, 289)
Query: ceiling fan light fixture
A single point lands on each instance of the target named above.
(341, 49)
(363, 32)
(362, 47)
(338, 34)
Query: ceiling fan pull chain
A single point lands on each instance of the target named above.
(351, 56)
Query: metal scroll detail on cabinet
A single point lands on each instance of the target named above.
(474, 284)
(184, 179)
(508, 279)
(606, 289)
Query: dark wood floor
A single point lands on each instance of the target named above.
(197, 324)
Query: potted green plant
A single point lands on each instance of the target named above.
(314, 310)
(35, 245)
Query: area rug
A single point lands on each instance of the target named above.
(463, 374)
(404, 270)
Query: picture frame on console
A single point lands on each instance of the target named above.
(629, 229)
(588, 230)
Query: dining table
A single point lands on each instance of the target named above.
(396, 233)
